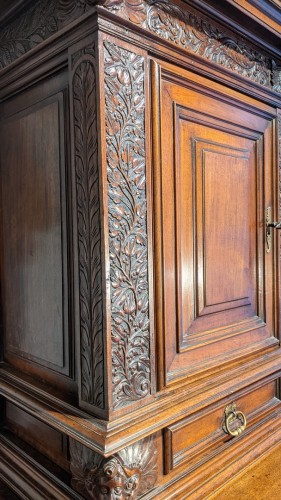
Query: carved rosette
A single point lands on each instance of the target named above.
(188, 31)
(127, 211)
(88, 225)
(125, 476)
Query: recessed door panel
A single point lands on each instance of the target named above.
(216, 182)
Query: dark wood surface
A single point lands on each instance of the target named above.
(6, 494)
(140, 152)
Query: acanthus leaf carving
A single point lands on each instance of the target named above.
(276, 77)
(127, 475)
(88, 224)
(36, 24)
(126, 173)
(188, 31)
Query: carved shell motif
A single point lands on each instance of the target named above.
(124, 476)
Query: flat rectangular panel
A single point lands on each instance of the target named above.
(34, 267)
(226, 227)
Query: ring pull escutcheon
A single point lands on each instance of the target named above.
(235, 420)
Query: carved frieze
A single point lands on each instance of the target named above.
(39, 22)
(124, 476)
(276, 77)
(127, 211)
(193, 33)
(88, 224)
(164, 18)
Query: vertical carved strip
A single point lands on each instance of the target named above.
(126, 175)
(89, 230)
(127, 475)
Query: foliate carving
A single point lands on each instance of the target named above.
(88, 223)
(276, 77)
(125, 129)
(125, 476)
(36, 24)
(135, 10)
(195, 34)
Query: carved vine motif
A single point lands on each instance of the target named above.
(125, 476)
(276, 77)
(124, 96)
(89, 232)
(190, 32)
(37, 24)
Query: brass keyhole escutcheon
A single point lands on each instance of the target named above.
(233, 415)
(269, 225)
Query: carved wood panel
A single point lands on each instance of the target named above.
(186, 29)
(39, 22)
(127, 213)
(84, 89)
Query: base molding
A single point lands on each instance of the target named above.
(31, 480)
(27, 478)
(235, 458)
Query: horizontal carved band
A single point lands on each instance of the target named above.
(39, 22)
(195, 34)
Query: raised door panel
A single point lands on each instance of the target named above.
(215, 180)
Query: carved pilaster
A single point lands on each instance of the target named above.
(125, 476)
(127, 215)
(89, 226)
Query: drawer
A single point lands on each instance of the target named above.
(200, 436)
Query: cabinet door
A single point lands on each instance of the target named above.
(215, 183)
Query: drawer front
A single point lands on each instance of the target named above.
(200, 436)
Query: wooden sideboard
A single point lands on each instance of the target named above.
(140, 150)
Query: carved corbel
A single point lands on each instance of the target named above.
(125, 476)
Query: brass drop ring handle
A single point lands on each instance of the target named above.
(232, 415)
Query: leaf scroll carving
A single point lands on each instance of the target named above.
(125, 130)
(89, 230)
(127, 475)
(36, 24)
(189, 31)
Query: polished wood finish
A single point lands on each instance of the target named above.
(140, 152)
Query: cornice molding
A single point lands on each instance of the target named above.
(174, 22)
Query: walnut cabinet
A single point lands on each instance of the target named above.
(140, 155)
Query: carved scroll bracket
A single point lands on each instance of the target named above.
(124, 476)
